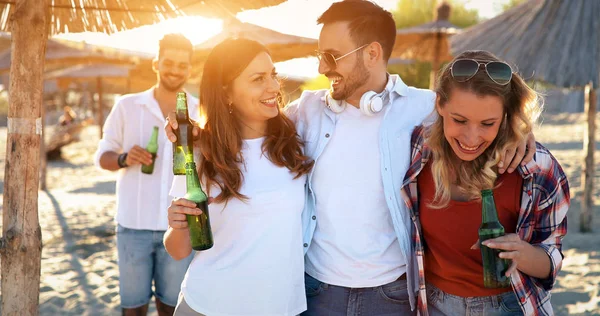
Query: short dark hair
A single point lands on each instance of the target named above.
(175, 41)
(368, 23)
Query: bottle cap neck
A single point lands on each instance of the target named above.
(154, 136)
(488, 207)
(194, 189)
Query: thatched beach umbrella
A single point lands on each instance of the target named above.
(111, 16)
(553, 41)
(281, 46)
(61, 53)
(107, 78)
(30, 23)
(427, 42)
(116, 77)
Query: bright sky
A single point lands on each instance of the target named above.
(296, 17)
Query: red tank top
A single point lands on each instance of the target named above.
(449, 233)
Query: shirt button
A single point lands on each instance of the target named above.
(305, 245)
(327, 135)
(523, 300)
(314, 217)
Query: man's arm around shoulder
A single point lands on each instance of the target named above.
(307, 101)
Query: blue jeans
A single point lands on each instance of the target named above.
(441, 303)
(325, 299)
(142, 258)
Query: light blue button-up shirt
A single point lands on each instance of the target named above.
(315, 123)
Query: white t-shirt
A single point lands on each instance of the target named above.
(354, 244)
(256, 264)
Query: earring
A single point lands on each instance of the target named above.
(230, 108)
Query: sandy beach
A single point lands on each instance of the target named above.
(79, 272)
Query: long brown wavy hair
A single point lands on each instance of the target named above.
(522, 105)
(221, 141)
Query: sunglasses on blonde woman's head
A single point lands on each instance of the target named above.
(331, 60)
(464, 69)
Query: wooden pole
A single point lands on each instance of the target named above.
(128, 83)
(435, 63)
(587, 176)
(21, 243)
(100, 104)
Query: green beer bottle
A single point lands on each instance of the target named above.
(185, 141)
(199, 225)
(494, 267)
(152, 148)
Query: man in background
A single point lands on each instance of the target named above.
(142, 199)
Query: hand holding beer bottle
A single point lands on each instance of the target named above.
(138, 156)
(184, 143)
(525, 257)
(172, 125)
(494, 267)
(201, 237)
(190, 213)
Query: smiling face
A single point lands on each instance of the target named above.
(471, 122)
(254, 93)
(351, 73)
(173, 68)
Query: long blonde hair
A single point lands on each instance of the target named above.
(522, 105)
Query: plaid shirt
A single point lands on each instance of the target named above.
(542, 221)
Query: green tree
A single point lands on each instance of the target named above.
(411, 13)
(415, 74)
(511, 4)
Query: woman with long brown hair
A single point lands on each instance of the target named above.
(484, 107)
(252, 163)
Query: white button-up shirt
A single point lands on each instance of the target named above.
(142, 199)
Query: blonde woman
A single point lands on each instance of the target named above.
(483, 108)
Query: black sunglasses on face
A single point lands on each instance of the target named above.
(331, 60)
(464, 69)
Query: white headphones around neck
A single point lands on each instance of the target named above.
(371, 102)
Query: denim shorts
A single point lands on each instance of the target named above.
(142, 258)
(441, 303)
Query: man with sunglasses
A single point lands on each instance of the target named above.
(357, 232)
(357, 229)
